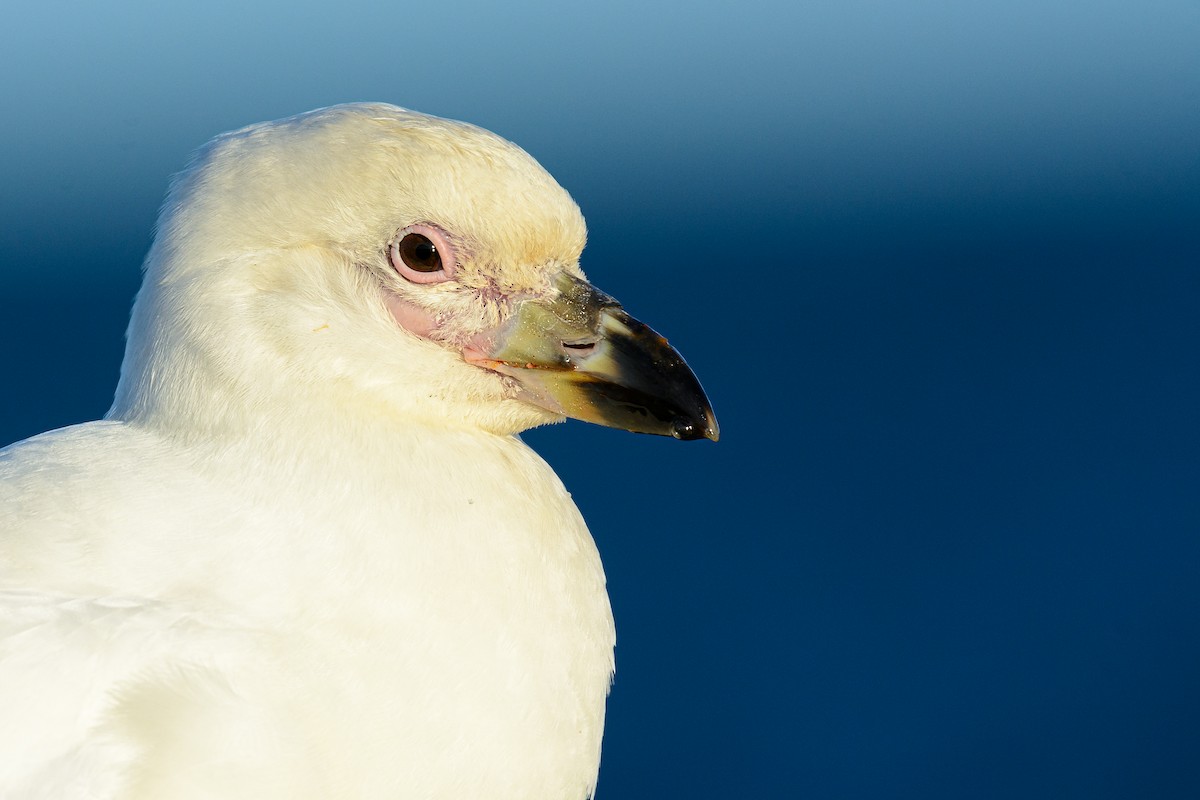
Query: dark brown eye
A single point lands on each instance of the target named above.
(419, 253)
(423, 253)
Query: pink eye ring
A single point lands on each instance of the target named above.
(422, 254)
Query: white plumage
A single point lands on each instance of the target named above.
(305, 556)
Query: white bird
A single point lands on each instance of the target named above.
(306, 555)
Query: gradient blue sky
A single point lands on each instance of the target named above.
(938, 265)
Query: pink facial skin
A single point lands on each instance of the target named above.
(411, 317)
(421, 322)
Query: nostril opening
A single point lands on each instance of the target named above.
(577, 351)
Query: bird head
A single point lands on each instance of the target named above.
(364, 256)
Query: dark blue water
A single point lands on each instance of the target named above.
(938, 268)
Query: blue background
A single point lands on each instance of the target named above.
(937, 264)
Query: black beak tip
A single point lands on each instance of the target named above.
(688, 430)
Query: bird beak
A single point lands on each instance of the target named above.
(579, 354)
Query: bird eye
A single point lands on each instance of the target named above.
(423, 254)
(420, 253)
